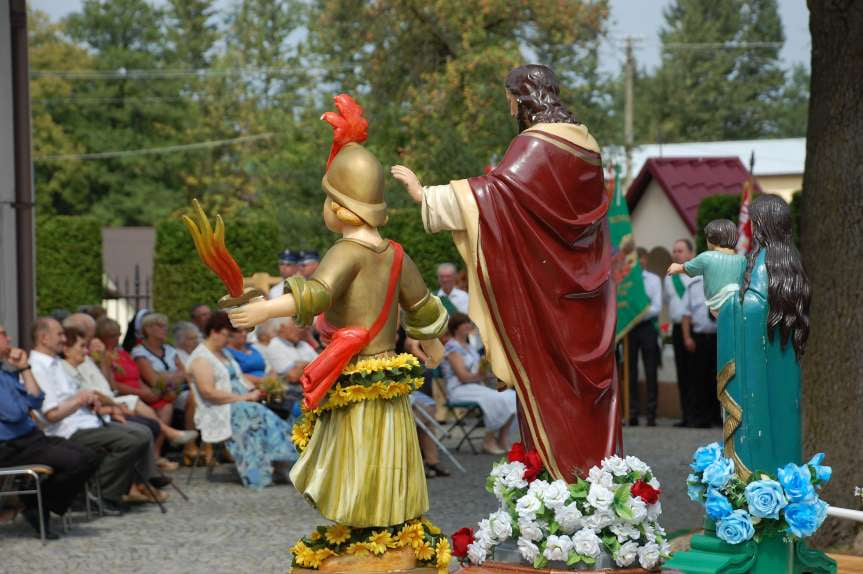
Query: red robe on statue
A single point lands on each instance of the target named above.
(544, 236)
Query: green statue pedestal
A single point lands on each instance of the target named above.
(710, 555)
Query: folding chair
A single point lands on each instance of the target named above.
(462, 411)
(211, 465)
(36, 472)
(427, 427)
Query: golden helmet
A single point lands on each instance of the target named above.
(355, 180)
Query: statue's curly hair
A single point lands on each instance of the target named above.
(788, 290)
(537, 91)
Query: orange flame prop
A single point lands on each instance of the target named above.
(212, 251)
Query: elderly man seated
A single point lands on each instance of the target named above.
(22, 443)
(79, 365)
(71, 414)
(280, 341)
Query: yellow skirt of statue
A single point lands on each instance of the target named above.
(360, 447)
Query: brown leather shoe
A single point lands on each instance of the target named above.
(190, 452)
(207, 454)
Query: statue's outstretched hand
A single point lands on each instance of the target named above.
(249, 315)
(433, 350)
(410, 180)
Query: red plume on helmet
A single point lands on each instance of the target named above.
(349, 125)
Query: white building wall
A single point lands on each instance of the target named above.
(656, 222)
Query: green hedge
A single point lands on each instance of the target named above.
(728, 207)
(68, 262)
(182, 281)
(427, 251)
(715, 207)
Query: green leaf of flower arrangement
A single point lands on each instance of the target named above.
(489, 484)
(621, 497)
(611, 543)
(580, 489)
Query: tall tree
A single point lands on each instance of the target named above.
(256, 88)
(833, 251)
(115, 111)
(790, 113)
(62, 186)
(192, 32)
(707, 89)
(431, 74)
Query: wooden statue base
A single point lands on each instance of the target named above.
(397, 561)
(508, 568)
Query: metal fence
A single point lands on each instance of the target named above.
(123, 297)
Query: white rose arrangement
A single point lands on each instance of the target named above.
(614, 510)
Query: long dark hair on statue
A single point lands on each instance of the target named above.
(537, 92)
(788, 290)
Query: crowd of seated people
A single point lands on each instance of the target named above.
(94, 408)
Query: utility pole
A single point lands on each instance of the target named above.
(629, 107)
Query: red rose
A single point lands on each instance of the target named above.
(647, 493)
(460, 541)
(516, 453)
(533, 464)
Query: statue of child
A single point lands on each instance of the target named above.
(720, 265)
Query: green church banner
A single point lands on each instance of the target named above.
(632, 301)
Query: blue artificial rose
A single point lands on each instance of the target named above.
(765, 498)
(735, 528)
(804, 518)
(797, 482)
(705, 456)
(716, 505)
(822, 473)
(718, 473)
(694, 488)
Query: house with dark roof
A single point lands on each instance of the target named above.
(779, 163)
(664, 197)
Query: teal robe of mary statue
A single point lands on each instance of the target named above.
(758, 383)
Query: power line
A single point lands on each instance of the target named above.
(156, 73)
(155, 150)
(175, 73)
(100, 100)
(718, 45)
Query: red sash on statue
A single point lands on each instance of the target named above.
(321, 374)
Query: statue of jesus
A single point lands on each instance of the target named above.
(535, 240)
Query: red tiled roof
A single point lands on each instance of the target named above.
(687, 180)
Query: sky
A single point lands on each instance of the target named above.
(639, 18)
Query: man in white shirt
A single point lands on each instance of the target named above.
(289, 265)
(674, 289)
(69, 413)
(281, 341)
(699, 337)
(645, 337)
(454, 299)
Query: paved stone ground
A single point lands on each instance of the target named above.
(225, 528)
